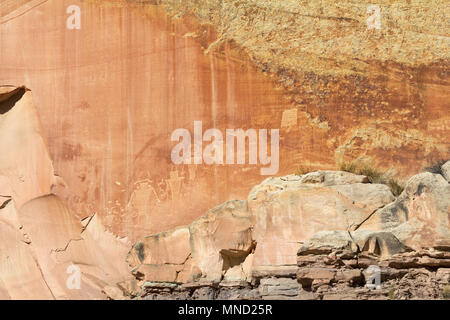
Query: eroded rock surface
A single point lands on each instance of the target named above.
(26, 172)
(315, 236)
(111, 93)
(43, 242)
(289, 210)
(420, 215)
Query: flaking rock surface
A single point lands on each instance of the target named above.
(110, 94)
(86, 159)
(321, 235)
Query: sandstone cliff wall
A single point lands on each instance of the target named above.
(87, 162)
(43, 245)
(110, 94)
(304, 236)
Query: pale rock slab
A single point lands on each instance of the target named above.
(221, 239)
(59, 241)
(20, 273)
(288, 210)
(446, 170)
(420, 217)
(26, 168)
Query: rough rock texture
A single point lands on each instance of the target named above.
(291, 209)
(310, 236)
(280, 213)
(26, 172)
(110, 94)
(41, 238)
(446, 170)
(314, 236)
(219, 244)
(420, 215)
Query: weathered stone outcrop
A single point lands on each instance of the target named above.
(41, 238)
(446, 170)
(310, 236)
(315, 236)
(26, 172)
(111, 93)
(420, 215)
(347, 274)
(289, 210)
(217, 246)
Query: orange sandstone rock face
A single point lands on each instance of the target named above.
(111, 93)
(282, 226)
(25, 166)
(133, 80)
(267, 230)
(41, 238)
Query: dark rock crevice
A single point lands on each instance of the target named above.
(9, 100)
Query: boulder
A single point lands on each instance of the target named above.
(221, 239)
(164, 257)
(289, 210)
(325, 242)
(351, 277)
(420, 216)
(270, 288)
(315, 277)
(171, 247)
(216, 246)
(382, 244)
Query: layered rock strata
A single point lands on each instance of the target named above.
(111, 93)
(320, 235)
